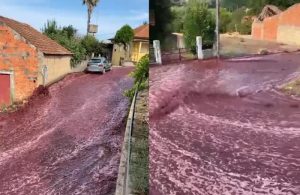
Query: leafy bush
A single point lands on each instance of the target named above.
(66, 37)
(238, 23)
(141, 72)
(178, 14)
(245, 27)
(140, 75)
(198, 21)
(225, 19)
(92, 45)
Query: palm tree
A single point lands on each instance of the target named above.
(91, 4)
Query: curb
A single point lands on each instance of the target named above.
(123, 181)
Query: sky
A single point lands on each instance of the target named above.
(109, 15)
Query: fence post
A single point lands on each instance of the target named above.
(179, 54)
(199, 47)
(157, 51)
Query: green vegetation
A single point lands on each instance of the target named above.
(140, 149)
(124, 36)
(225, 19)
(178, 15)
(140, 75)
(256, 5)
(239, 22)
(292, 88)
(236, 16)
(198, 21)
(67, 36)
(92, 45)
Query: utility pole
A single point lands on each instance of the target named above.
(218, 28)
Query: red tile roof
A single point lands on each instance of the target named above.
(36, 38)
(142, 32)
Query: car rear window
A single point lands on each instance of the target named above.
(96, 60)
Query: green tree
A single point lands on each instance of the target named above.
(70, 31)
(92, 45)
(66, 37)
(225, 19)
(124, 36)
(50, 28)
(198, 21)
(234, 4)
(178, 14)
(91, 4)
(89, 42)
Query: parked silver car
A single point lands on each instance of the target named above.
(98, 65)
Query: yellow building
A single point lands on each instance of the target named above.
(138, 48)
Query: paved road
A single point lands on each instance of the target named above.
(68, 142)
(225, 129)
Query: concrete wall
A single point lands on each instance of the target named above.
(139, 49)
(58, 67)
(21, 60)
(118, 54)
(283, 28)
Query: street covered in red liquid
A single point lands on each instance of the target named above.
(225, 128)
(68, 141)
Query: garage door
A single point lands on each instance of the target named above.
(5, 89)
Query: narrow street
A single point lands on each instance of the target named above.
(225, 129)
(67, 142)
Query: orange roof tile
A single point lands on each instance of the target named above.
(142, 32)
(36, 38)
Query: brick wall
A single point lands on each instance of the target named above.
(257, 30)
(283, 28)
(20, 58)
(270, 26)
(289, 26)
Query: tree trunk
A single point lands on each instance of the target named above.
(88, 21)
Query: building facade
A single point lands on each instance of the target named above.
(137, 49)
(28, 59)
